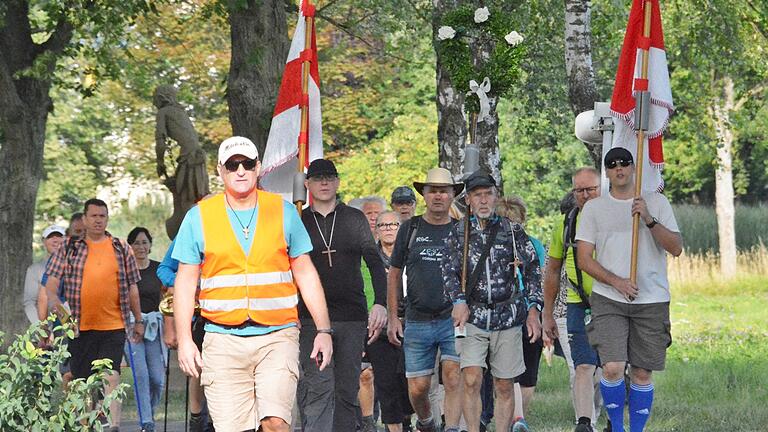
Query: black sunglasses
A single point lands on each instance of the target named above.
(612, 164)
(233, 165)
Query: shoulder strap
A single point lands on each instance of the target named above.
(413, 227)
(478, 270)
(569, 241)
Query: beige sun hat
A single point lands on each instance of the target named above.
(438, 177)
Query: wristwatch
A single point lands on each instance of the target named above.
(326, 331)
(653, 223)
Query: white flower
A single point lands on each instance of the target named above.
(482, 14)
(446, 32)
(513, 38)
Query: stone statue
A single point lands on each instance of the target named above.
(190, 181)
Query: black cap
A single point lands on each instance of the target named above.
(403, 195)
(479, 178)
(320, 167)
(617, 153)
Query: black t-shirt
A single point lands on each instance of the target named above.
(149, 288)
(426, 297)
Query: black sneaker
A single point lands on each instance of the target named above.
(584, 425)
(429, 427)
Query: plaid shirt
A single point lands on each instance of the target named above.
(67, 265)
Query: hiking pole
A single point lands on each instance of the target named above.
(186, 406)
(167, 385)
(133, 373)
(471, 164)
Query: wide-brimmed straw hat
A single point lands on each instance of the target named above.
(438, 177)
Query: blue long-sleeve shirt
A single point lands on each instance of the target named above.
(167, 269)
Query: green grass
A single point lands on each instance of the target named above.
(717, 367)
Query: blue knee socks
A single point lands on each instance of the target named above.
(614, 393)
(640, 401)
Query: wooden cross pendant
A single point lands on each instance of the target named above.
(517, 263)
(329, 251)
(245, 232)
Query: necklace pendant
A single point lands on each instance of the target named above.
(245, 232)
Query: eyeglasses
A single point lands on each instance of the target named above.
(589, 190)
(323, 178)
(612, 164)
(233, 165)
(388, 225)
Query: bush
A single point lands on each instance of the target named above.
(698, 225)
(31, 391)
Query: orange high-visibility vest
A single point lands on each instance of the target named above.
(235, 288)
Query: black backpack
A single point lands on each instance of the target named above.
(569, 241)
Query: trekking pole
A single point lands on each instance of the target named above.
(167, 385)
(186, 406)
(133, 373)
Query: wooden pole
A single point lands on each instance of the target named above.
(467, 225)
(640, 154)
(308, 32)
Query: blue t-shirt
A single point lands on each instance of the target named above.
(190, 244)
(60, 290)
(540, 252)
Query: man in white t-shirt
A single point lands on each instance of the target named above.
(630, 321)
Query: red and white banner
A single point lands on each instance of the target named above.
(629, 81)
(280, 162)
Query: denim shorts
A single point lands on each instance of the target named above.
(421, 340)
(581, 351)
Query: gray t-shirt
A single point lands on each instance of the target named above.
(606, 222)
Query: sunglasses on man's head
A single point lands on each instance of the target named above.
(612, 164)
(233, 165)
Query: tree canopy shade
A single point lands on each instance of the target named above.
(35, 39)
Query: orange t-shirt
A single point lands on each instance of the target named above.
(100, 295)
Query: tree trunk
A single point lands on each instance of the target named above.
(24, 108)
(260, 46)
(724, 195)
(582, 91)
(452, 121)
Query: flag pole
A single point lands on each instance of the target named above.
(641, 124)
(308, 10)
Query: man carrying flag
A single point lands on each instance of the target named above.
(296, 135)
(630, 294)
(629, 321)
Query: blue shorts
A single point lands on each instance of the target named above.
(581, 351)
(421, 339)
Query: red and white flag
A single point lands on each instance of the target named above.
(629, 81)
(280, 161)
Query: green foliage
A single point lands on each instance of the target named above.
(149, 213)
(502, 67)
(398, 159)
(698, 225)
(31, 390)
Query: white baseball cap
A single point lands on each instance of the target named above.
(237, 145)
(54, 229)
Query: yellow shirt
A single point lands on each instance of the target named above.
(556, 251)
